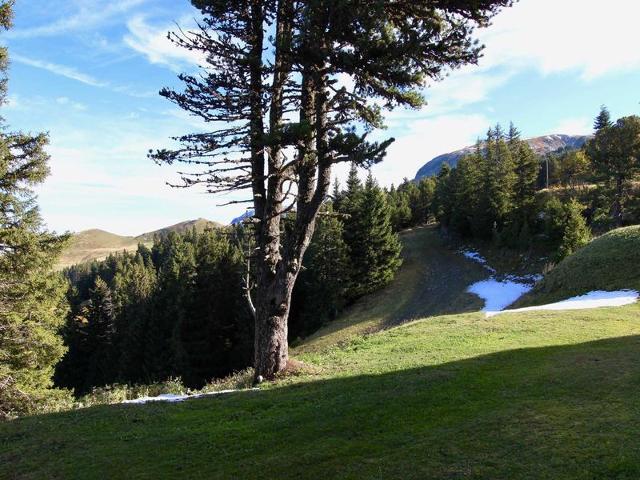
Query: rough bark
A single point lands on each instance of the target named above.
(273, 285)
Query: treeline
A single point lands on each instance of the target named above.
(177, 309)
(499, 193)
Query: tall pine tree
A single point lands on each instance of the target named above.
(374, 248)
(615, 153)
(32, 305)
(251, 84)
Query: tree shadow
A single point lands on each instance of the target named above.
(553, 412)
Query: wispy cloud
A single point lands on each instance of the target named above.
(74, 74)
(152, 42)
(426, 138)
(62, 70)
(66, 101)
(574, 126)
(89, 15)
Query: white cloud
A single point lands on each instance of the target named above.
(13, 102)
(558, 36)
(549, 36)
(74, 74)
(464, 87)
(574, 126)
(119, 188)
(152, 42)
(89, 15)
(66, 101)
(62, 70)
(425, 139)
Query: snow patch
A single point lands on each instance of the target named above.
(476, 257)
(497, 294)
(595, 299)
(174, 398)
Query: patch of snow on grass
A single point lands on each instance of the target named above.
(476, 257)
(594, 299)
(165, 397)
(497, 294)
(174, 398)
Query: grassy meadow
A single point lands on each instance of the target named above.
(449, 394)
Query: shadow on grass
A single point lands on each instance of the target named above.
(555, 412)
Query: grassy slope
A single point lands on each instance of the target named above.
(98, 244)
(534, 395)
(200, 225)
(94, 245)
(610, 262)
(432, 281)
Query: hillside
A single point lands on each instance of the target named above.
(97, 244)
(94, 245)
(454, 395)
(540, 145)
(610, 262)
(200, 225)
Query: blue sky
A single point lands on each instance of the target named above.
(88, 72)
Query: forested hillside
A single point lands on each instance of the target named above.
(479, 321)
(177, 308)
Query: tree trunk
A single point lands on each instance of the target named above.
(617, 204)
(273, 300)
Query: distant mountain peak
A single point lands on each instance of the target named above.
(540, 145)
(243, 217)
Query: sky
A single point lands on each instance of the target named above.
(89, 71)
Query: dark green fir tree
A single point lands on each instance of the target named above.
(32, 304)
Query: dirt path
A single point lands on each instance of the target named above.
(432, 281)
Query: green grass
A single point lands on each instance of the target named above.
(550, 395)
(610, 262)
(432, 281)
(536, 395)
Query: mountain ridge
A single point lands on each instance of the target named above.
(98, 244)
(541, 145)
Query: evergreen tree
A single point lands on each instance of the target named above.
(374, 248)
(400, 210)
(466, 183)
(215, 335)
(100, 317)
(321, 292)
(527, 166)
(615, 153)
(496, 202)
(576, 232)
(351, 204)
(427, 187)
(176, 274)
(513, 137)
(252, 82)
(603, 120)
(32, 306)
(443, 196)
(336, 195)
(134, 286)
